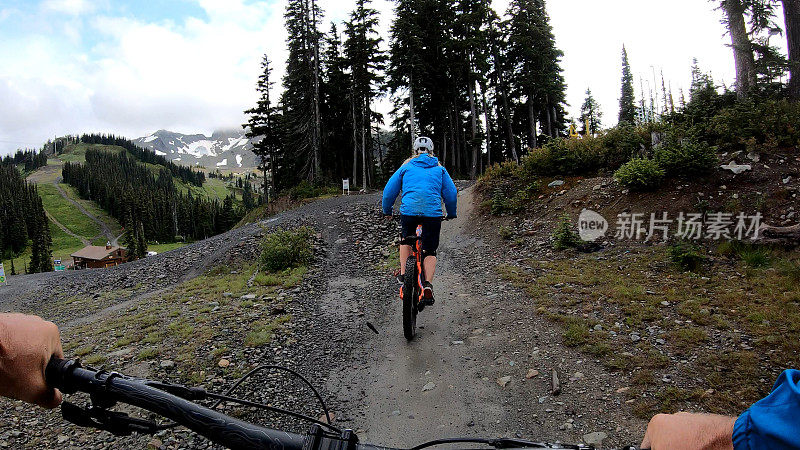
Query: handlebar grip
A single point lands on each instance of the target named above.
(55, 374)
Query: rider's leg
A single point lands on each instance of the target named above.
(430, 268)
(405, 252)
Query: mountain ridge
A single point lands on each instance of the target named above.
(224, 149)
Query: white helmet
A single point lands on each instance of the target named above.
(423, 145)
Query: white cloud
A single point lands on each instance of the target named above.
(192, 75)
(72, 7)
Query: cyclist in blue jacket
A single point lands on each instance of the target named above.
(424, 184)
(771, 423)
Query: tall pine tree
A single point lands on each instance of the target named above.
(300, 98)
(627, 99)
(537, 72)
(263, 128)
(366, 61)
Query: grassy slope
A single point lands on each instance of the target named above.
(66, 213)
(71, 217)
(94, 209)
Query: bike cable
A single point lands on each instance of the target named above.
(286, 369)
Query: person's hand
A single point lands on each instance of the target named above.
(26, 345)
(685, 431)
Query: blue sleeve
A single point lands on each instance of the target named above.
(449, 194)
(772, 422)
(392, 190)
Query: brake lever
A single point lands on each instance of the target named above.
(115, 422)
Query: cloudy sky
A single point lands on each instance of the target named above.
(132, 67)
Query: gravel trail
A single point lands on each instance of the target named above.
(481, 364)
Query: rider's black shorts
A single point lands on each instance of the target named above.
(431, 227)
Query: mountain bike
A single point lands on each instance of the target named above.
(411, 290)
(177, 403)
(415, 276)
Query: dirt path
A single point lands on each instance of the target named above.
(447, 382)
(104, 228)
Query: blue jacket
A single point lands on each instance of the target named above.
(772, 422)
(424, 184)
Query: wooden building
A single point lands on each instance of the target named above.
(99, 257)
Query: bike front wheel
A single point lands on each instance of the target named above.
(410, 295)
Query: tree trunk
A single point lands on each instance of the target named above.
(791, 13)
(507, 113)
(317, 134)
(456, 143)
(363, 150)
(549, 117)
(779, 235)
(444, 148)
(742, 47)
(488, 128)
(473, 171)
(531, 124)
(412, 128)
(355, 138)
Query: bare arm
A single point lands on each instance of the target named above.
(689, 432)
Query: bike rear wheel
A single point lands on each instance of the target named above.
(410, 295)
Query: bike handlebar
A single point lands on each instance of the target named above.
(70, 377)
(108, 388)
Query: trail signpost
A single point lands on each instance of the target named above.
(346, 186)
(2, 274)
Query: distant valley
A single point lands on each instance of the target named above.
(223, 150)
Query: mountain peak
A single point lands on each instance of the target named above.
(225, 149)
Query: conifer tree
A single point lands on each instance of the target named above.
(141, 241)
(262, 127)
(734, 19)
(537, 67)
(301, 87)
(337, 129)
(590, 110)
(627, 108)
(366, 61)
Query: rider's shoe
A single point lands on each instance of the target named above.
(427, 293)
(401, 279)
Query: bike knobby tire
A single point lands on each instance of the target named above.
(410, 295)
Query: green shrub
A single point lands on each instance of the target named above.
(687, 255)
(308, 190)
(685, 158)
(565, 157)
(754, 126)
(507, 188)
(282, 250)
(564, 237)
(640, 174)
(623, 143)
(754, 255)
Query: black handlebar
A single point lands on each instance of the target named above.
(70, 377)
(108, 388)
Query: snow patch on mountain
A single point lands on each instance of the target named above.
(201, 150)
